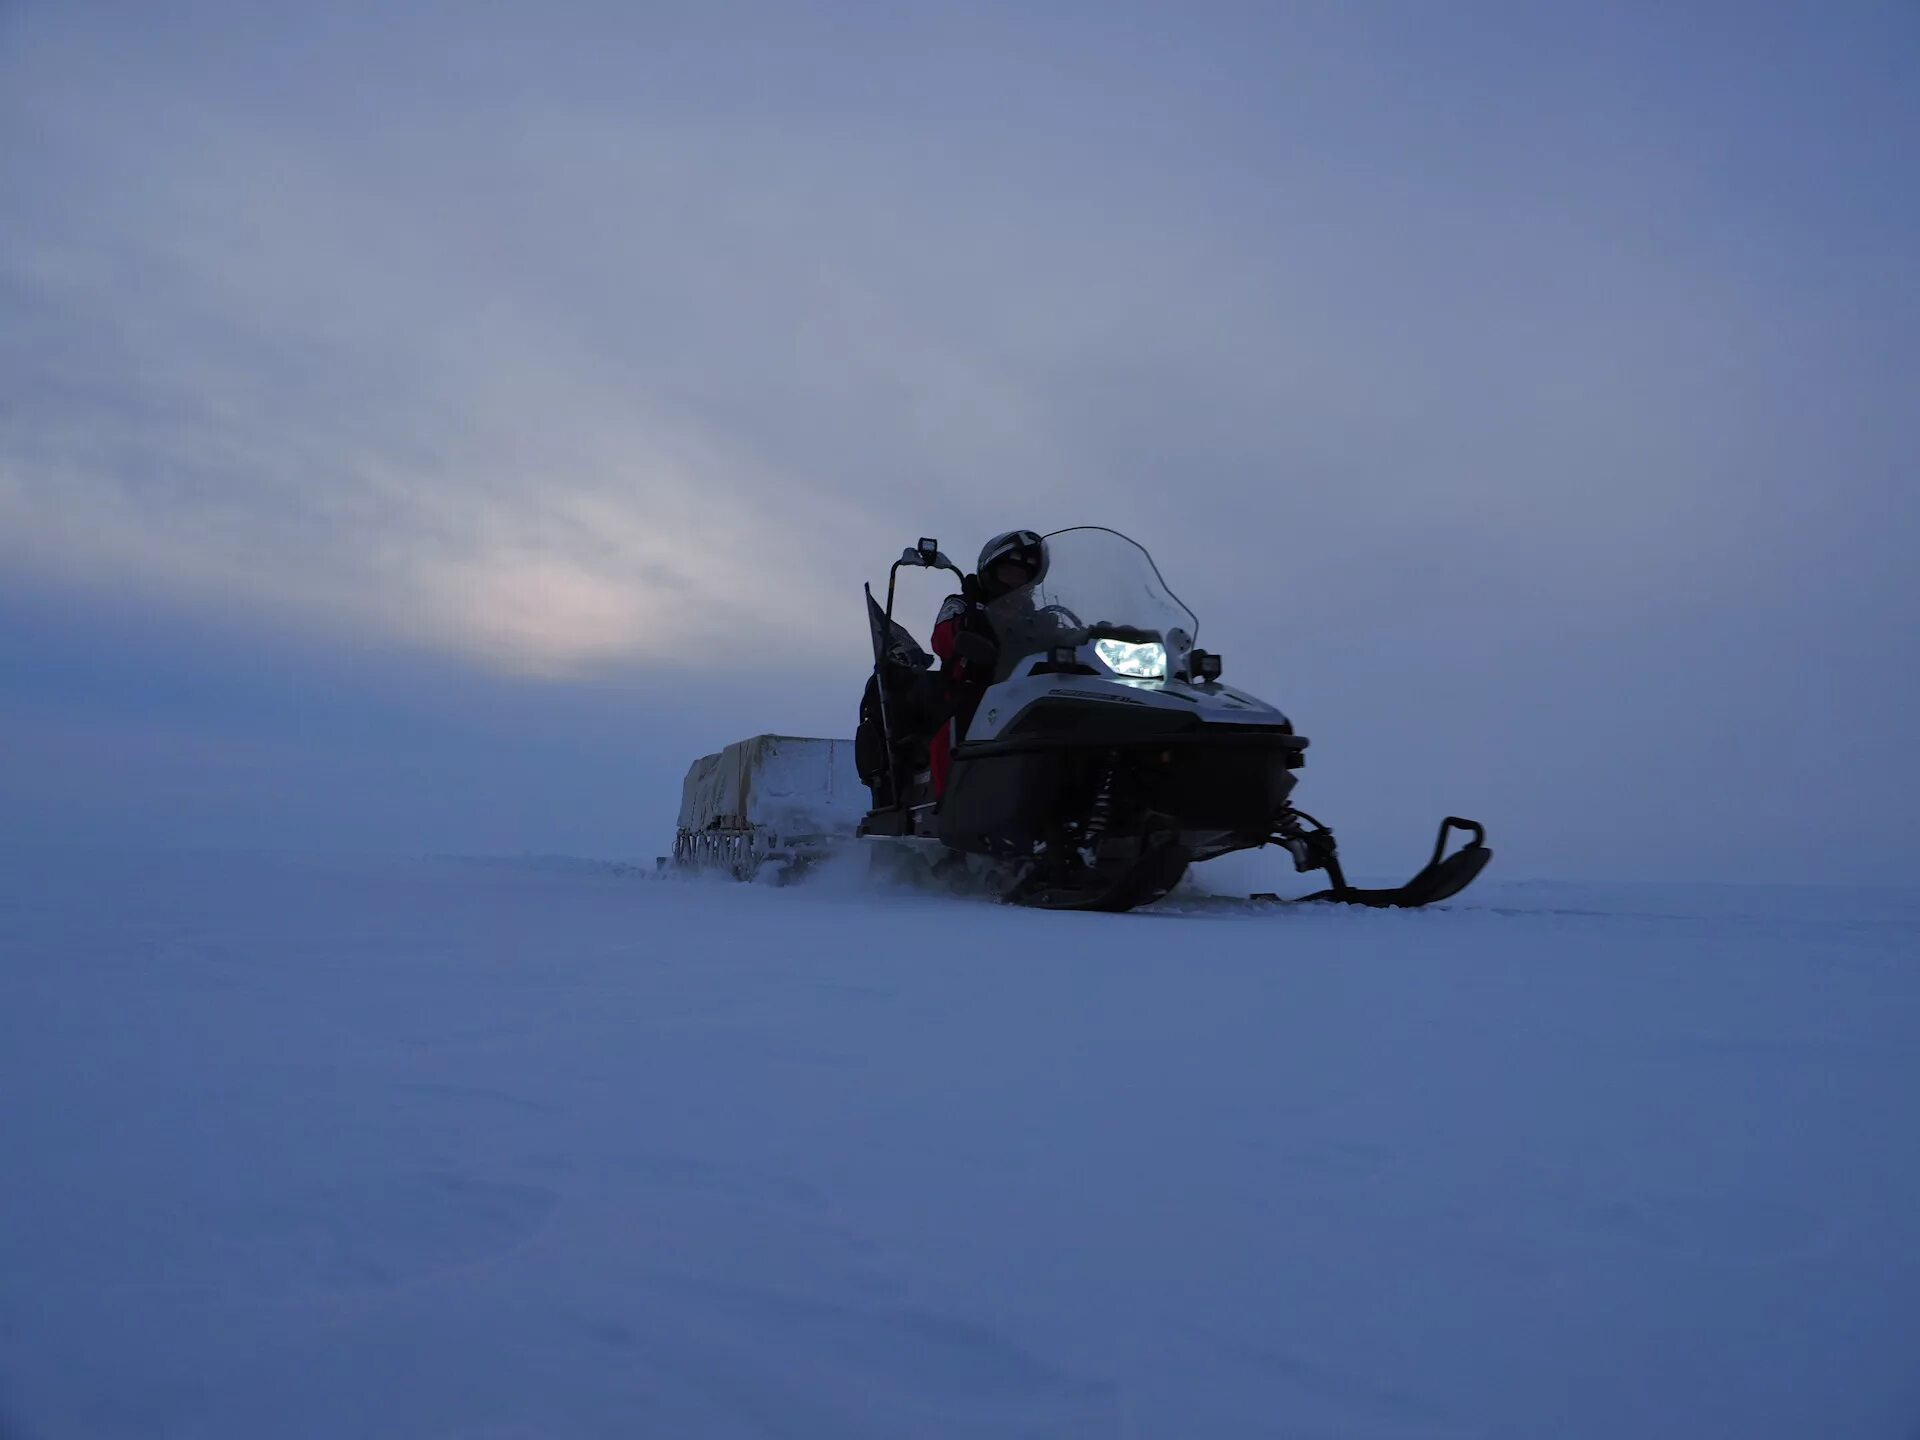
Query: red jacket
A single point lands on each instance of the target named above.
(960, 616)
(963, 638)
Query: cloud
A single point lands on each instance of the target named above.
(327, 332)
(240, 383)
(582, 400)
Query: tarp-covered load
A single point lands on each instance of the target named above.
(771, 796)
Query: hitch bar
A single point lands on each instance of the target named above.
(1443, 876)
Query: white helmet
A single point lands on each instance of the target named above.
(1025, 548)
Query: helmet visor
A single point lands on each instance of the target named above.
(1013, 567)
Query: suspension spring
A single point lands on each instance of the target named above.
(1100, 813)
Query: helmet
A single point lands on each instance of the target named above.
(1025, 548)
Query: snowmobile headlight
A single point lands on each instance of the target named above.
(1136, 662)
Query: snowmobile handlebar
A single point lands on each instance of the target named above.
(927, 555)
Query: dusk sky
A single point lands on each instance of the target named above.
(427, 428)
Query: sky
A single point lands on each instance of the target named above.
(428, 428)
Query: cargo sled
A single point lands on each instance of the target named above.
(771, 805)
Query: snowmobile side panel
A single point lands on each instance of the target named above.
(1015, 704)
(1005, 796)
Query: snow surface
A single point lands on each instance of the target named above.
(460, 1149)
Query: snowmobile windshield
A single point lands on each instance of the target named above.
(1098, 585)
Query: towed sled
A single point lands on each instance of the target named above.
(1104, 758)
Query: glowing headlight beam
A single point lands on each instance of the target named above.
(1136, 662)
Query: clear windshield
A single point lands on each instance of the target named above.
(1098, 582)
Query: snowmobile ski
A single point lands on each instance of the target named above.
(1441, 878)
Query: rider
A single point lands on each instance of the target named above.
(964, 637)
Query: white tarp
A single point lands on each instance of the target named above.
(789, 784)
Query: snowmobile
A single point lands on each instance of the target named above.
(1106, 755)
